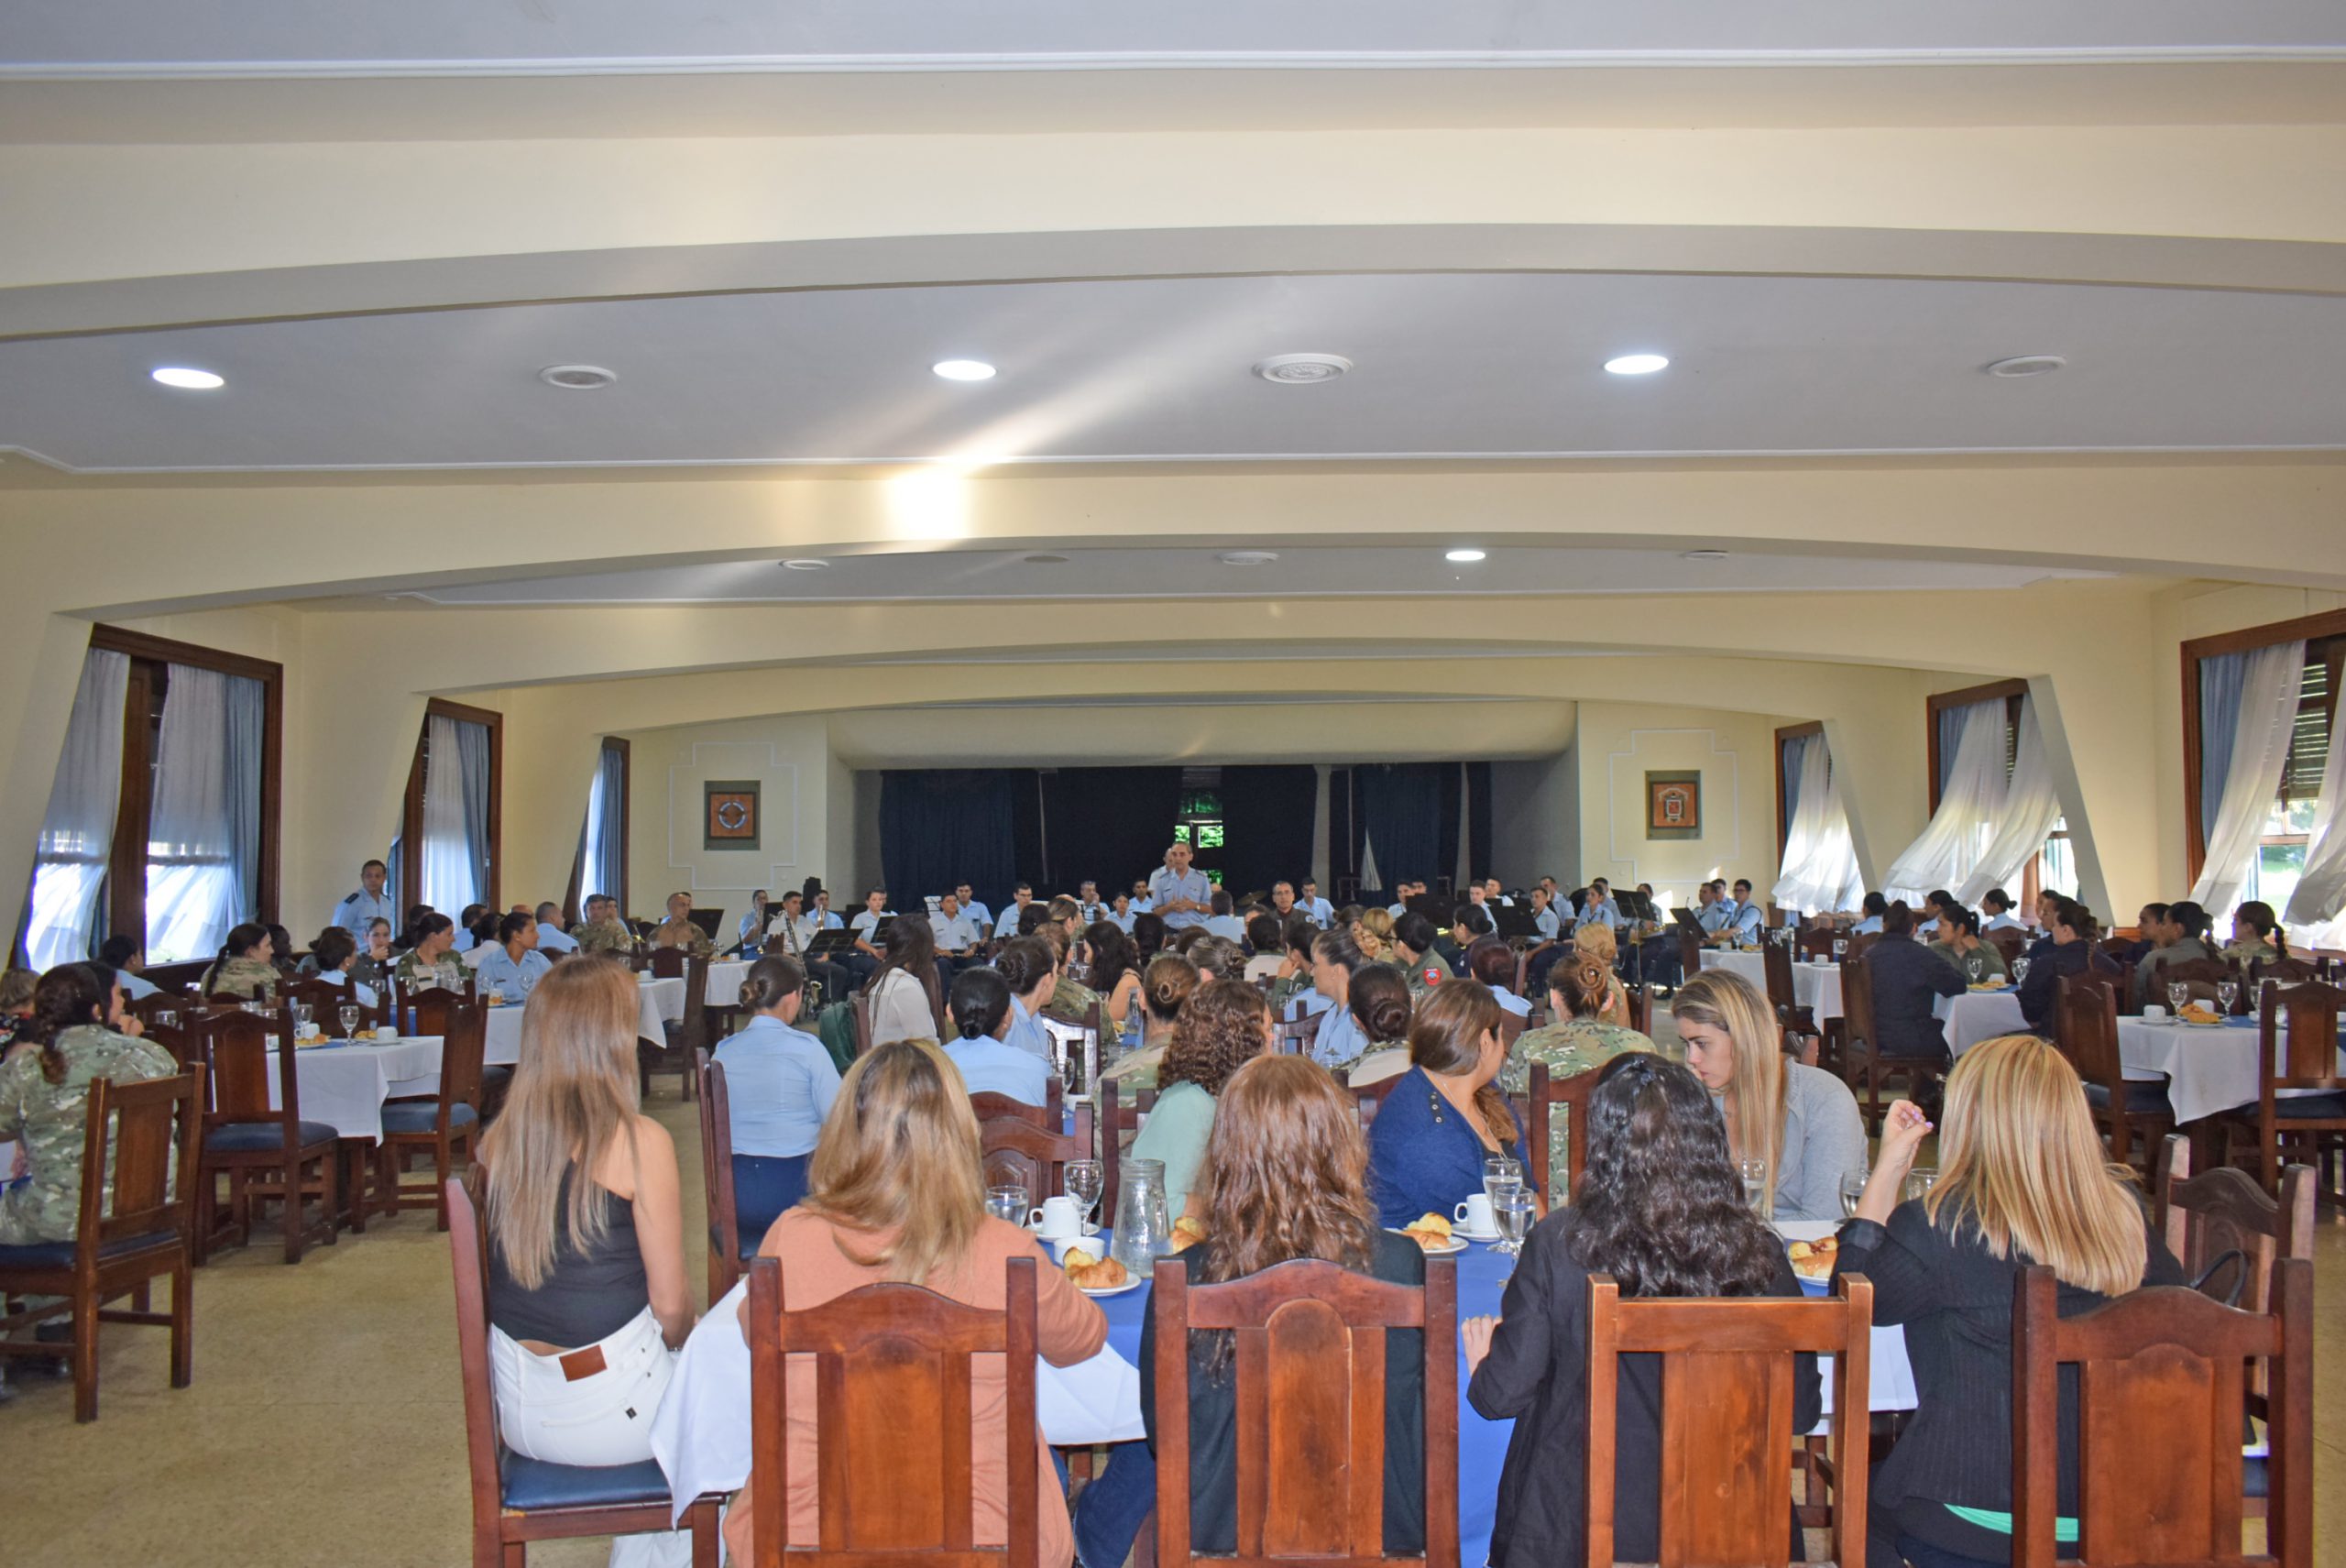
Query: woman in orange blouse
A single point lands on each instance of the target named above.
(895, 1192)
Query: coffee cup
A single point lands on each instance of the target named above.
(1475, 1215)
(1058, 1219)
(2153, 1013)
(386, 1033)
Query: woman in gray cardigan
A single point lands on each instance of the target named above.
(1803, 1123)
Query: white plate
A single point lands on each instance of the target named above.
(2157, 1022)
(1474, 1236)
(1132, 1284)
(1455, 1245)
(2190, 1024)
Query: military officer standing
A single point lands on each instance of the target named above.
(369, 904)
(1181, 896)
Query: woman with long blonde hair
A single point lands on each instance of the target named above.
(1800, 1123)
(587, 1292)
(2022, 1181)
(1373, 933)
(896, 1192)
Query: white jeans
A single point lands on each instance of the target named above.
(601, 1420)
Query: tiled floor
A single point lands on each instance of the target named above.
(324, 1424)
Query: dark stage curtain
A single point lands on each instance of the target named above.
(1110, 825)
(1402, 805)
(1267, 814)
(1479, 806)
(1452, 826)
(943, 826)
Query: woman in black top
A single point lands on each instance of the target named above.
(1660, 1209)
(1908, 980)
(2069, 952)
(2022, 1181)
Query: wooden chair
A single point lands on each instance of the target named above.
(725, 1253)
(2315, 1123)
(1726, 1418)
(1776, 959)
(1640, 1001)
(892, 1373)
(1859, 1059)
(441, 1125)
(668, 963)
(1815, 944)
(326, 1000)
(2202, 975)
(518, 1500)
(1572, 1093)
(1311, 1341)
(2127, 1110)
(1297, 1034)
(1116, 1119)
(1689, 954)
(123, 1240)
(1523, 966)
(2288, 971)
(1050, 1115)
(860, 1004)
(1368, 1097)
(423, 1009)
(680, 1038)
(264, 1153)
(1014, 1149)
(2169, 1361)
(2010, 944)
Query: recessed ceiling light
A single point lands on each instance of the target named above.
(1704, 555)
(2025, 365)
(806, 564)
(1302, 369)
(578, 378)
(1248, 557)
(189, 381)
(1463, 556)
(964, 370)
(1045, 560)
(1636, 364)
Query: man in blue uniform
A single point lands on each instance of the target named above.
(367, 906)
(1181, 896)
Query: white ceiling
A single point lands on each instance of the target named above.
(1299, 573)
(1449, 365)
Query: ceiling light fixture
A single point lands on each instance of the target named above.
(1704, 555)
(1248, 557)
(189, 381)
(578, 378)
(1636, 364)
(806, 564)
(1302, 369)
(964, 370)
(2025, 365)
(1463, 556)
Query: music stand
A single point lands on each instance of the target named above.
(708, 920)
(831, 944)
(1634, 906)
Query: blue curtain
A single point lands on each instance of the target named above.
(1402, 803)
(1950, 740)
(943, 826)
(1266, 813)
(1107, 824)
(471, 750)
(2221, 680)
(1794, 751)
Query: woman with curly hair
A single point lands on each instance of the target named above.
(1662, 1211)
(1225, 1026)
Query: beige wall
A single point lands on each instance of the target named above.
(791, 761)
(1620, 743)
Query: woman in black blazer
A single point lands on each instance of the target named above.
(1665, 1216)
(2022, 1181)
(2069, 950)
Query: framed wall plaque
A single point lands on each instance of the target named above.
(1673, 804)
(729, 813)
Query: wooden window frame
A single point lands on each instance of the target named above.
(411, 802)
(2012, 692)
(2306, 629)
(126, 867)
(577, 891)
(1784, 820)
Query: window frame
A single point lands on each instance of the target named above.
(1783, 818)
(573, 896)
(2318, 628)
(2011, 690)
(411, 802)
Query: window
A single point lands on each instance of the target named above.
(2055, 865)
(2054, 869)
(451, 830)
(2281, 850)
(602, 865)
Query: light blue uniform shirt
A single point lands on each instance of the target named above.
(1397, 910)
(1548, 923)
(134, 988)
(1749, 919)
(1027, 1033)
(1124, 922)
(750, 927)
(1606, 912)
(866, 922)
(1869, 926)
(979, 916)
(1164, 887)
(997, 1067)
(825, 920)
(780, 1083)
(1715, 917)
(497, 972)
(1228, 927)
(2007, 921)
(361, 993)
(1305, 1003)
(554, 939)
(1008, 925)
(1321, 912)
(362, 909)
(1341, 1039)
(953, 932)
(1512, 1003)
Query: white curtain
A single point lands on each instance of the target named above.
(2270, 684)
(77, 832)
(599, 868)
(2032, 806)
(203, 827)
(1819, 870)
(452, 871)
(2321, 891)
(1970, 799)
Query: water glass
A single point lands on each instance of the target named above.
(1008, 1203)
(1853, 1188)
(2019, 970)
(1841, 948)
(302, 1016)
(350, 1022)
(2228, 994)
(1501, 1176)
(1085, 1180)
(1514, 1217)
(1754, 1172)
(1921, 1179)
(166, 1019)
(2178, 995)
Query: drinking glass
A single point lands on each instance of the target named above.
(2178, 995)
(167, 1019)
(1841, 948)
(2228, 994)
(1921, 1179)
(1085, 1180)
(2019, 970)
(1502, 1178)
(1008, 1203)
(1755, 1181)
(1514, 1217)
(349, 1021)
(302, 1016)
(1853, 1187)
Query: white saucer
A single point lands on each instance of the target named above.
(1132, 1284)
(1485, 1236)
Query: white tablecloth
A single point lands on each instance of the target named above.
(2208, 1069)
(1978, 1015)
(724, 984)
(701, 1435)
(1816, 987)
(657, 1001)
(344, 1086)
(1889, 1381)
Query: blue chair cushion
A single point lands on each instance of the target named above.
(2142, 1099)
(422, 1115)
(2254, 1480)
(263, 1137)
(2309, 1107)
(532, 1483)
(61, 1255)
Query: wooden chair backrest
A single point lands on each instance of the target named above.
(1309, 1367)
(1298, 1034)
(468, 1254)
(860, 1006)
(423, 1009)
(937, 1004)
(1857, 996)
(1776, 961)
(2009, 943)
(1572, 1093)
(321, 996)
(1640, 1009)
(1690, 953)
(1726, 1417)
(1012, 1149)
(2171, 1361)
(463, 1041)
(1049, 1115)
(695, 1019)
(904, 1411)
(2288, 971)
(1511, 1026)
(236, 1049)
(2088, 1030)
(2204, 1217)
(2202, 975)
(668, 963)
(1816, 944)
(1368, 1097)
(1117, 1118)
(717, 1174)
(2311, 1060)
(151, 1130)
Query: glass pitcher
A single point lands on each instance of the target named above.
(1143, 1234)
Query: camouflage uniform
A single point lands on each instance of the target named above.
(50, 1121)
(1567, 1049)
(685, 936)
(241, 977)
(414, 974)
(1071, 1002)
(1285, 990)
(603, 937)
(1428, 971)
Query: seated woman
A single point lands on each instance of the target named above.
(1294, 977)
(1413, 952)
(1908, 979)
(1801, 1122)
(1373, 934)
(332, 949)
(1032, 971)
(2257, 938)
(1115, 978)
(1662, 1213)
(2023, 1179)
(1167, 984)
(1579, 1041)
(1225, 1025)
(1446, 1116)
(1960, 944)
(2070, 952)
(1492, 961)
(1286, 1179)
(1336, 963)
(980, 1010)
(432, 961)
(57, 1048)
(897, 1193)
(512, 969)
(1589, 944)
(16, 988)
(1381, 1005)
(898, 989)
(1148, 935)
(247, 967)
(585, 1239)
(779, 1086)
(1265, 945)
(371, 964)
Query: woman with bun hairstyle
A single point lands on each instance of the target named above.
(979, 1012)
(1383, 1004)
(780, 1083)
(1031, 969)
(2071, 950)
(1225, 1025)
(1446, 1115)
(1579, 1040)
(56, 1050)
(1165, 986)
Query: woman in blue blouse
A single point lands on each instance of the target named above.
(1446, 1115)
(780, 1083)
